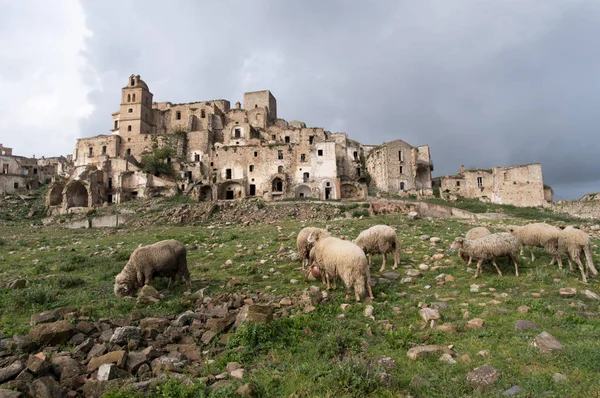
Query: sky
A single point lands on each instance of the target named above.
(483, 82)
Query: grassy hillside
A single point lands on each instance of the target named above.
(329, 352)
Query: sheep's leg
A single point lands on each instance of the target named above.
(140, 278)
(147, 278)
(327, 278)
(514, 260)
(522, 252)
(396, 259)
(496, 265)
(532, 254)
(370, 258)
(383, 264)
(171, 281)
(578, 261)
(478, 269)
(470, 260)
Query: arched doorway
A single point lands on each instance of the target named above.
(349, 191)
(230, 191)
(277, 185)
(205, 194)
(55, 195)
(303, 191)
(77, 195)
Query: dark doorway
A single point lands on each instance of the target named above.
(229, 195)
(327, 193)
(252, 190)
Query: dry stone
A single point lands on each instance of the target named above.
(483, 376)
(11, 371)
(52, 333)
(475, 323)
(254, 313)
(419, 352)
(124, 334)
(10, 393)
(247, 390)
(117, 357)
(547, 343)
(106, 372)
(429, 314)
(45, 387)
(567, 292)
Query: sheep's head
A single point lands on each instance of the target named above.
(462, 255)
(457, 244)
(123, 287)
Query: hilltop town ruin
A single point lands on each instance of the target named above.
(212, 151)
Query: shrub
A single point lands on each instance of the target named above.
(359, 213)
(353, 376)
(68, 282)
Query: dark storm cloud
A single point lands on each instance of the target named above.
(483, 83)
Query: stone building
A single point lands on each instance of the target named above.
(513, 185)
(19, 173)
(217, 152)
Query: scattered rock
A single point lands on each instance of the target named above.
(523, 309)
(17, 284)
(447, 358)
(117, 357)
(254, 313)
(475, 323)
(567, 292)
(124, 334)
(368, 310)
(247, 390)
(423, 267)
(43, 317)
(207, 337)
(9, 393)
(437, 257)
(547, 343)
(391, 275)
(413, 215)
(422, 351)
(106, 372)
(11, 371)
(483, 376)
(474, 288)
(429, 314)
(418, 381)
(413, 273)
(435, 240)
(45, 387)
(559, 377)
(238, 374)
(385, 362)
(591, 295)
(526, 325)
(514, 390)
(407, 280)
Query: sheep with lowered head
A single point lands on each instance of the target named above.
(379, 239)
(574, 242)
(537, 235)
(337, 257)
(303, 246)
(473, 233)
(166, 258)
(489, 247)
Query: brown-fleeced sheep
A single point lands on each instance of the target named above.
(337, 257)
(489, 247)
(379, 239)
(166, 258)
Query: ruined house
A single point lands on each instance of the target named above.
(215, 152)
(19, 173)
(520, 185)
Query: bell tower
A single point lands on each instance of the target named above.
(135, 113)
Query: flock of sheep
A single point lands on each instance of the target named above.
(328, 258)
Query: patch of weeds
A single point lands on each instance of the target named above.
(2, 242)
(122, 256)
(352, 376)
(540, 275)
(173, 388)
(257, 337)
(35, 296)
(68, 282)
(360, 213)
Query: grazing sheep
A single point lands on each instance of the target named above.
(473, 233)
(337, 257)
(489, 247)
(303, 246)
(537, 235)
(165, 258)
(575, 242)
(379, 239)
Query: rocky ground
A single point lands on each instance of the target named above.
(253, 328)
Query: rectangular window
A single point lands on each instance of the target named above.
(458, 183)
(302, 157)
(401, 170)
(211, 164)
(400, 157)
(311, 139)
(251, 168)
(287, 139)
(34, 171)
(358, 171)
(255, 154)
(4, 169)
(480, 182)
(355, 155)
(273, 137)
(238, 133)
(197, 157)
(305, 177)
(228, 174)
(320, 152)
(104, 150)
(16, 185)
(91, 153)
(279, 155)
(178, 115)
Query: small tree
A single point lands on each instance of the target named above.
(157, 162)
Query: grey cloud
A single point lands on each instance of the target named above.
(483, 83)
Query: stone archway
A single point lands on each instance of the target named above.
(230, 191)
(77, 195)
(277, 185)
(55, 195)
(303, 191)
(205, 194)
(349, 191)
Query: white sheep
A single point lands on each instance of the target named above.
(166, 258)
(473, 233)
(337, 257)
(380, 239)
(575, 242)
(537, 235)
(303, 246)
(489, 247)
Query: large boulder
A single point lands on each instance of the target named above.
(254, 313)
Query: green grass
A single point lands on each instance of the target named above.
(318, 354)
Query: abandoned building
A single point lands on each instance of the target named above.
(19, 173)
(213, 151)
(513, 185)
